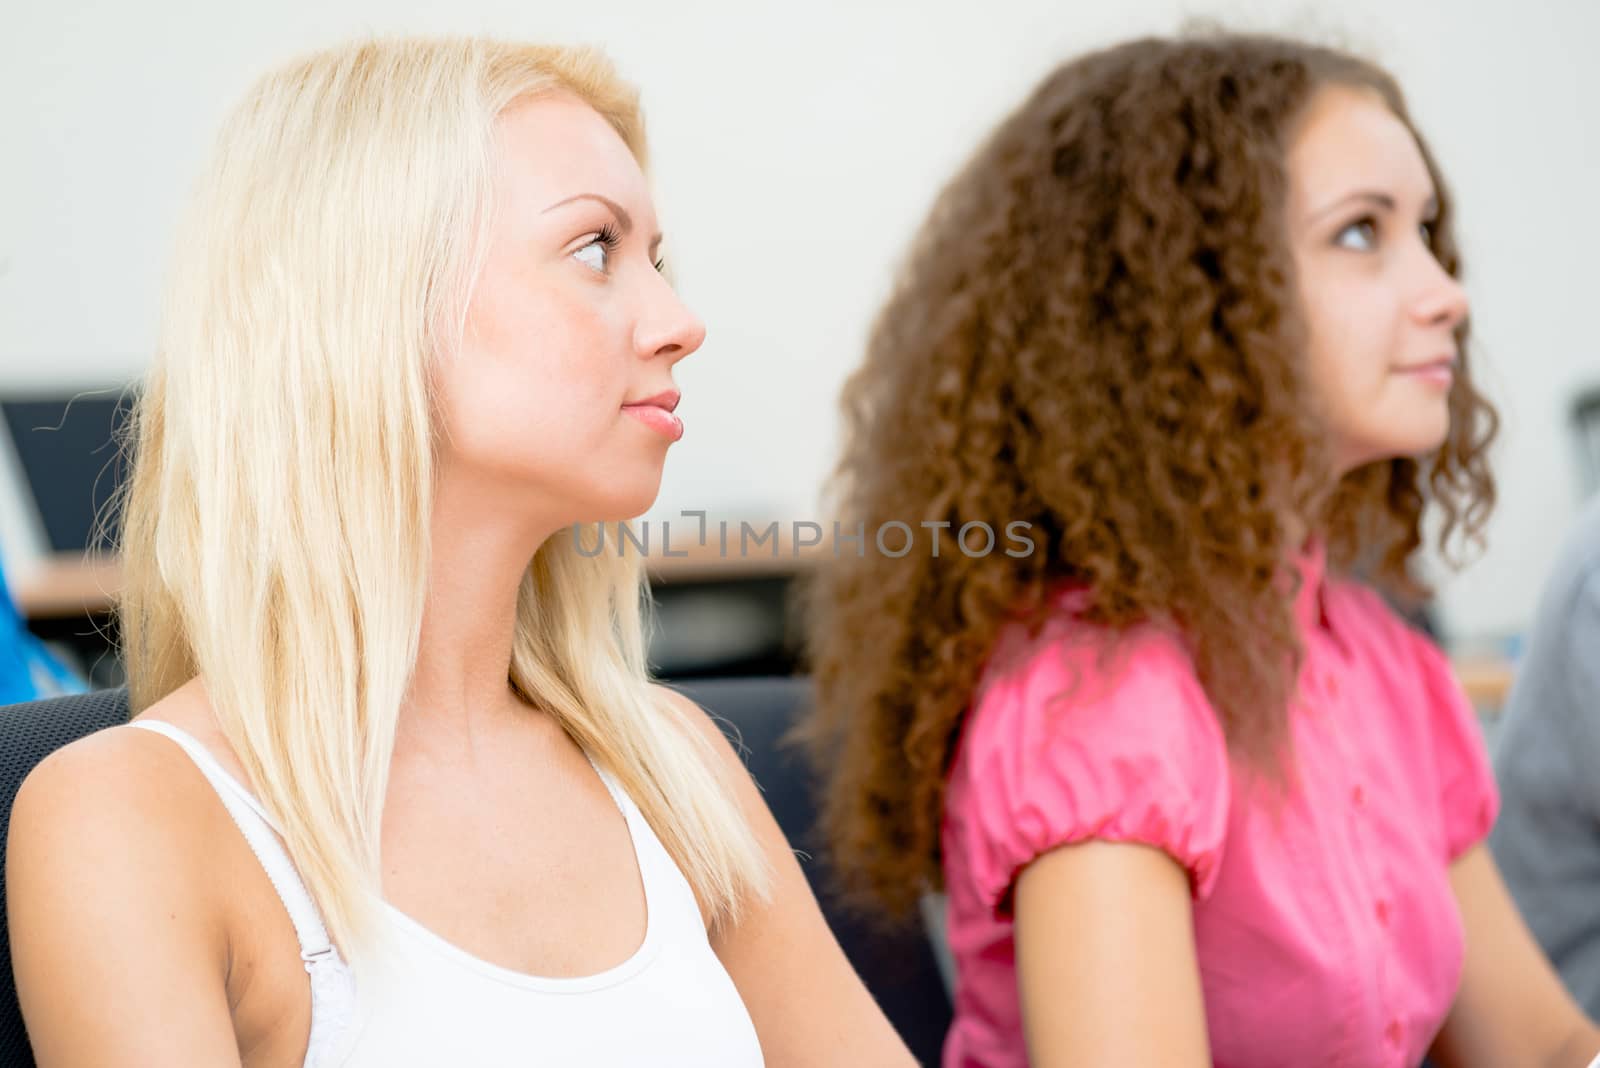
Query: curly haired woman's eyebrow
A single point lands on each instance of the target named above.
(1382, 201)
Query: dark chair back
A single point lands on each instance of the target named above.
(898, 966)
(29, 733)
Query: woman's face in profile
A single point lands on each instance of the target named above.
(1381, 312)
(559, 399)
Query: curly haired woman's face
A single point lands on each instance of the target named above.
(558, 402)
(1381, 313)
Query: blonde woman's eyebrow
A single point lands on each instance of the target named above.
(624, 220)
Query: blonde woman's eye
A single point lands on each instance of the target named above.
(594, 256)
(1361, 235)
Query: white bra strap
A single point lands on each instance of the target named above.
(257, 829)
(613, 788)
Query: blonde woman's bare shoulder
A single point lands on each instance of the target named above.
(720, 735)
(116, 908)
(119, 780)
(121, 812)
(114, 900)
(118, 793)
(696, 719)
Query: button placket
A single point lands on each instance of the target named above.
(1372, 880)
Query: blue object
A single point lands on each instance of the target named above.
(28, 671)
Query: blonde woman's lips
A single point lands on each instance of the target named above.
(657, 418)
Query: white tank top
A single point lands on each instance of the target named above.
(430, 1003)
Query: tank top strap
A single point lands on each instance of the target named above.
(667, 889)
(623, 801)
(332, 985)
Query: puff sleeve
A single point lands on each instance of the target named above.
(1468, 797)
(1061, 748)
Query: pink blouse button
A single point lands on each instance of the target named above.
(1358, 796)
(1393, 1034)
(1383, 913)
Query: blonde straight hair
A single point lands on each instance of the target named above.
(275, 537)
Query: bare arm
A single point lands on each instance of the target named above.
(808, 1005)
(119, 952)
(1512, 1009)
(1106, 966)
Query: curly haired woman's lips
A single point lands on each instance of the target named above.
(1440, 371)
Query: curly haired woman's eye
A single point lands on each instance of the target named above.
(1361, 235)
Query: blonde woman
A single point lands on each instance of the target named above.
(393, 731)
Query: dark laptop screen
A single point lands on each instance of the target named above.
(70, 459)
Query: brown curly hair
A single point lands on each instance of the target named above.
(1095, 333)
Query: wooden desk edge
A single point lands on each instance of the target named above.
(70, 585)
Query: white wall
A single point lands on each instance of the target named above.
(796, 148)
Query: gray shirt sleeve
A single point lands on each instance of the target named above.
(1547, 761)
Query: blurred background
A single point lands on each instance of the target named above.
(795, 151)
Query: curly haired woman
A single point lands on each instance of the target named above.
(1195, 795)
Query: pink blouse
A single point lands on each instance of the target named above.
(1327, 935)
